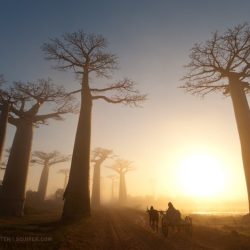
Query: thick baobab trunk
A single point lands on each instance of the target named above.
(242, 115)
(66, 176)
(122, 189)
(14, 182)
(95, 199)
(77, 197)
(3, 125)
(42, 187)
(112, 190)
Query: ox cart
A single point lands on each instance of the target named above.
(177, 224)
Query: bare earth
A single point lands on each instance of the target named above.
(114, 229)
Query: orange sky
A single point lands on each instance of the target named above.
(153, 45)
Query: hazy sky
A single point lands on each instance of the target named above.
(152, 40)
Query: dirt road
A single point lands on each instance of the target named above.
(127, 229)
(110, 229)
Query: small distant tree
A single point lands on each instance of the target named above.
(223, 64)
(65, 172)
(99, 155)
(113, 179)
(122, 167)
(46, 160)
(86, 55)
(25, 115)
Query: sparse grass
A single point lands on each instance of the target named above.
(107, 229)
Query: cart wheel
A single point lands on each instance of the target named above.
(164, 229)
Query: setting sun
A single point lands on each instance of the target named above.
(201, 175)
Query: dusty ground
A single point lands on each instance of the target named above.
(118, 229)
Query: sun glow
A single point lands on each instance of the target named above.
(201, 176)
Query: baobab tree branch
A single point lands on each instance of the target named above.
(203, 89)
(132, 100)
(12, 120)
(124, 85)
(114, 168)
(49, 159)
(60, 159)
(43, 118)
(101, 154)
(56, 50)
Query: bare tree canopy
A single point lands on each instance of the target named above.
(101, 154)
(32, 95)
(54, 157)
(222, 56)
(122, 166)
(85, 54)
(77, 49)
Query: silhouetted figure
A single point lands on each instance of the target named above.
(153, 218)
(173, 215)
(172, 219)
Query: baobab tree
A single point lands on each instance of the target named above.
(99, 155)
(85, 54)
(4, 109)
(46, 160)
(25, 116)
(65, 172)
(7, 99)
(122, 167)
(113, 179)
(223, 64)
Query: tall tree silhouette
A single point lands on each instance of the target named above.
(65, 172)
(4, 109)
(223, 64)
(24, 116)
(6, 156)
(122, 167)
(7, 98)
(113, 179)
(46, 160)
(99, 155)
(86, 55)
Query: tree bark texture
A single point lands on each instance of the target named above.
(242, 115)
(77, 196)
(14, 182)
(122, 189)
(3, 125)
(43, 183)
(65, 181)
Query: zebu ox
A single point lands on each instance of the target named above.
(153, 218)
